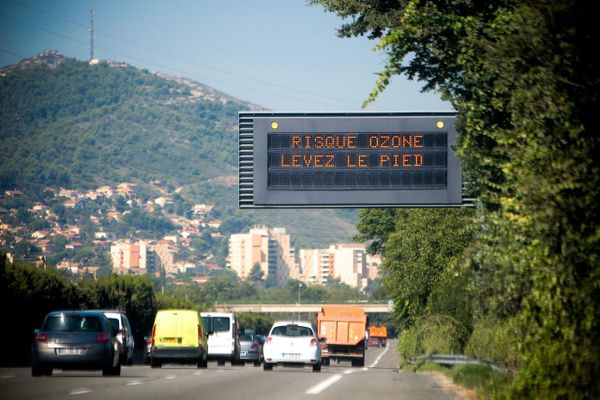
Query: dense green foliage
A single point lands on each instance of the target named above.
(81, 126)
(29, 293)
(524, 79)
(226, 287)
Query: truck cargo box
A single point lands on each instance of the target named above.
(345, 330)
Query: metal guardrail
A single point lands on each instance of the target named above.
(455, 359)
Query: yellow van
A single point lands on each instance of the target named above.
(178, 336)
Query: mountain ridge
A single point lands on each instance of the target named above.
(66, 123)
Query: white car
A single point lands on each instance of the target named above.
(292, 343)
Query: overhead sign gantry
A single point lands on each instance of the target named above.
(358, 159)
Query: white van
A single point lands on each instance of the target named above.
(223, 336)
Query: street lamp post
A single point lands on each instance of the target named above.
(299, 287)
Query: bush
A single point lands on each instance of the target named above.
(434, 334)
(496, 341)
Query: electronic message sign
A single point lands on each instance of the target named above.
(348, 160)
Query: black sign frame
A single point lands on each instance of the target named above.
(255, 127)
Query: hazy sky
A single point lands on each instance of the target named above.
(280, 54)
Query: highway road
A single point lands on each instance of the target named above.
(378, 380)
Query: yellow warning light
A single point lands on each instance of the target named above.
(440, 124)
(274, 125)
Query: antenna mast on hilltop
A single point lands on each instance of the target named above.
(92, 39)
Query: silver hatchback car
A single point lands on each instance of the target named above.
(76, 340)
(250, 347)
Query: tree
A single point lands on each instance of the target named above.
(524, 79)
(256, 274)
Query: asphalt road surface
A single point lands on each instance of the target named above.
(378, 380)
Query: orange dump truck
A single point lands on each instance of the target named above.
(345, 328)
(377, 335)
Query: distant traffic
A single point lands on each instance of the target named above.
(102, 340)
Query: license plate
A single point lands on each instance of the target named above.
(71, 352)
(169, 340)
(243, 353)
(291, 355)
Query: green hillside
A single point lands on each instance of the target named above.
(65, 123)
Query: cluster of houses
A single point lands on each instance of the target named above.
(269, 249)
(55, 237)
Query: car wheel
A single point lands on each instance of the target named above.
(203, 363)
(358, 362)
(47, 371)
(316, 367)
(267, 367)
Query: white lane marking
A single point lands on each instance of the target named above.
(133, 383)
(379, 358)
(170, 377)
(349, 371)
(324, 385)
(7, 376)
(198, 373)
(77, 391)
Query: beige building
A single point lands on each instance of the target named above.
(346, 261)
(126, 256)
(269, 248)
(165, 256)
(314, 266)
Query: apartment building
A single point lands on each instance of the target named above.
(346, 261)
(126, 256)
(270, 248)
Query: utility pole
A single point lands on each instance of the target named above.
(92, 35)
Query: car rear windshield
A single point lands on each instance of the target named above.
(247, 337)
(73, 323)
(114, 323)
(216, 324)
(292, 330)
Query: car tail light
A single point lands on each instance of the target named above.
(313, 342)
(199, 335)
(102, 338)
(269, 340)
(153, 334)
(254, 346)
(41, 338)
